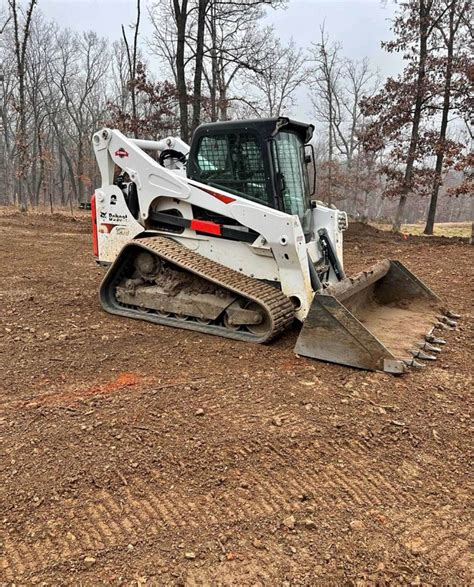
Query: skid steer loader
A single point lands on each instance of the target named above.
(224, 237)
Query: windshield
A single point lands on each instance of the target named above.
(288, 154)
(233, 162)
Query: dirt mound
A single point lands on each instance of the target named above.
(361, 231)
(42, 222)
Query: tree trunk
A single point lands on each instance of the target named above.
(424, 11)
(22, 146)
(198, 68)
(32, 180)
(444, 126)
(132, 67)
(223, 114)
(9, 180)
(70, 169)
(134, 72)
(214, 66)
(181, 15)
(41, 178)
(471, 240)
(61, 178)
(20, 53)
(330, 147)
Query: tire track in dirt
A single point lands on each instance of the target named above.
(258, 571)
(114, 521)
(350, 478)
(444, 538)
(369, 472)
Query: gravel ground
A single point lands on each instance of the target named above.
(136, 454)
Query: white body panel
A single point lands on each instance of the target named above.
(280, 254)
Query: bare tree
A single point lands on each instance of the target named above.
(325, 80)
(205, 39)
(8, 117)
(272, 87)
(78, 74)
(21, 35)
(181, 14)
(132, 55)
(120, 76)
(40, 50)
(202, 8)
(357, 80)
(235, 44)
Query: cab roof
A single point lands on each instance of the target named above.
(267, 127)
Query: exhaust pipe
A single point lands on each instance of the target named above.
(373, 320)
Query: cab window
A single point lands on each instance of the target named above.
(289, 161)
(234, 163)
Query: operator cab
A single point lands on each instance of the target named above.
(262, 160)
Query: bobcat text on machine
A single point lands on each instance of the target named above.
(223, 237)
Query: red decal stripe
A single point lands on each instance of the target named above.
(206, 226)
(220, 197)
(95, 242)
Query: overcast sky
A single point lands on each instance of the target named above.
(359, 25)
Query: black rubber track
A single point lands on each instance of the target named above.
(274, 303)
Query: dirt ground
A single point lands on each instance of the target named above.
(136, 454)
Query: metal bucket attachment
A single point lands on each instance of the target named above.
(381, 319)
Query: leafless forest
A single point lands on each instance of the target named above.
(398, 149)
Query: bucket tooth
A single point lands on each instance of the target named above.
(414, 363)
(442, 326)
(426, 346)
(452, 315)
(394, 366)
(432, 339)
(447, 321)
(419, 354)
